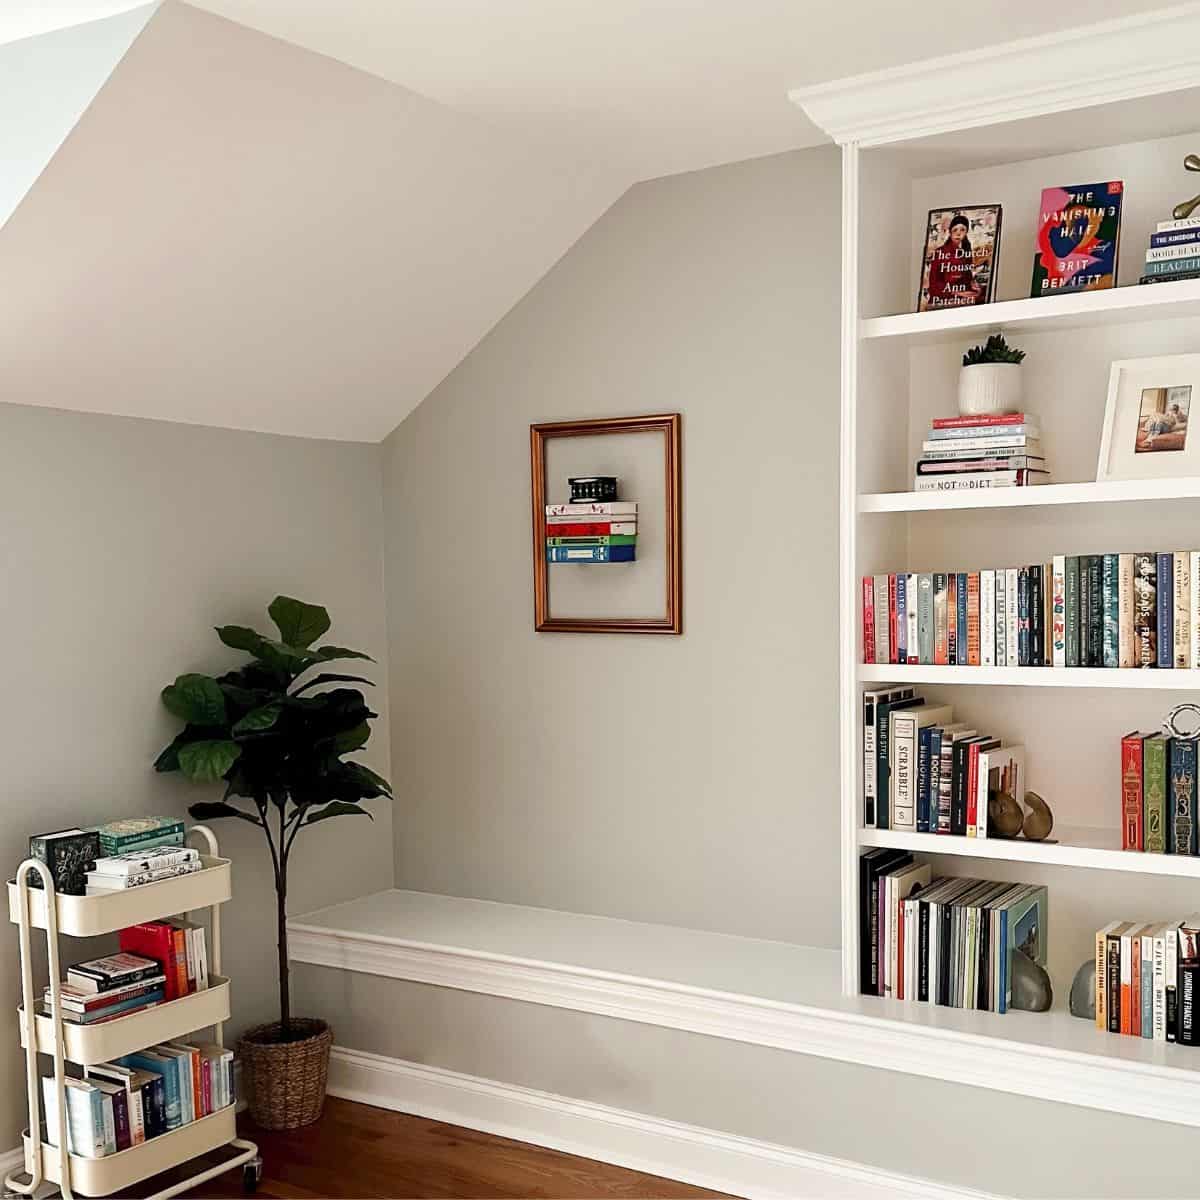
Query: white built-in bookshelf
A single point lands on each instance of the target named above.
(988, 127)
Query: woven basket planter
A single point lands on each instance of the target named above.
(287, 1079)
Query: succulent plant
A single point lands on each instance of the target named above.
(994, 350)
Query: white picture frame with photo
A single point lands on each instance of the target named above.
(1146, 432)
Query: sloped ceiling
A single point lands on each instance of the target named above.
(242, 233)
(46, 83)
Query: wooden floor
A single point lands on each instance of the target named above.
(363, 1153)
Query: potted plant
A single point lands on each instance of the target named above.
(279, 745)
(990, 380)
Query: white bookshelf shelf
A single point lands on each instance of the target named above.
(1078, 846)
(1044, 495)
(1149, 302)
(1063, 677)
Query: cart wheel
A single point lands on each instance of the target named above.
(251, 1174)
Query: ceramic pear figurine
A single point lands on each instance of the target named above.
(1004, 815)
(1039, 820)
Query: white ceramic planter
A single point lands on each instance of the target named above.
(989, 388)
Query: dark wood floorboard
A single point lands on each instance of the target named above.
(361, 1153)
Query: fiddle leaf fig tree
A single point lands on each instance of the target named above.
(277, 743)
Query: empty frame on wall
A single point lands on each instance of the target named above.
(642, 592)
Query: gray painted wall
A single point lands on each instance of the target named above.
(122, 543)
(680, 780)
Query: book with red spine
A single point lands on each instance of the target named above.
(569, 528)
(868, 615)
(206, 1090)
(1131, 792)
(893, 630)
(973, 619)
(156, 940)
(982, 420)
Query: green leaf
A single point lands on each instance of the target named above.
(328, 653)
(238, 637)
(206, 762)
(210, 810)
(195, 698)
(318, 680)
(368, 778)
(351, 739)
(259, 719)
(168, 760)
(339, 808)
(299, 624)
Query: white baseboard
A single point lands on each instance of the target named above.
(703, 1157)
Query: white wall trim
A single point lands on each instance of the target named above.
(703, 1157)
(1104, 62)
(926, 1043)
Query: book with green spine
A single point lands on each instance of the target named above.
(602, 539)
(139, 833)
(1154, 793)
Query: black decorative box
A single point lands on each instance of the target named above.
(593, 487)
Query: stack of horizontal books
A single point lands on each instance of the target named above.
(974, 453)
(600, 531)
(134, 868)
(1174, 252)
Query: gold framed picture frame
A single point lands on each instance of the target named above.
(641, 596)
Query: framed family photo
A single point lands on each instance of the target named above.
(1147, 419)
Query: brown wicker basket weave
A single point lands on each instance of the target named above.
(287, 1079)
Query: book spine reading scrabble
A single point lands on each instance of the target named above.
(939, 940)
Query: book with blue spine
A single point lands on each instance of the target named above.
(168, 1072)
(1166, 610)
(1176, 237)
(1172, 266)
(1181, 796)
(960, 605)
(590, 554)
(924, 761)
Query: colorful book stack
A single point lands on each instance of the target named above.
(597, 531)
(1158, 794)
(1148, 979)
(925, 772)
(972, 453)
(1087, 610)
(1174, 252)
(943, 941)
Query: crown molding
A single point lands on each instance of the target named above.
(1106, 62)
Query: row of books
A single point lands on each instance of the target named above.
(946, 941)
(927, 773)
(1088, 610)
(1148, 979)
(71, 854)
(159, 961)
(1158, 794)
(591, 531)
(966, 453)
(1174, 252)
(140, 1096)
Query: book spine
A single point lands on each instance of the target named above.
(1037, 632)
(1145, 610)
(869, 775)
(904, 807)
(978, 481)
(989, 421)
(1182, 790)
(1131, 792)
(1095, 620)
(1101, 980)
(1165, 609)
(1187, 248)
(590, 528)
(973, 619)
(1146, 1026)
(1181, 638)
(961, 606)
(952, 619)
(935, 776)
(1185, 230)
(1135, 986)
(1189, 1025)
(1012, 618)
(924, 743)
(1000, 633)
(1058, 595)
(893, 612)
(1154, 794)
(911, 603)
(941, 632)
(1160, 996)
(594, 508)
(882, 650)
(1113, 989)
(591, 554)
(972, 790)
(901, 629)
(1023, 623)
(1125, 943)
(1171, 983)
(1110, 599)
(925, 618)
(1021, 429)
(1175, 266)
(1194, 621)
(945, 785)
(1125, 640)
(599, 539)
(987, 618)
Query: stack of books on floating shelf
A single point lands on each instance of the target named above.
(1148, 979)
(136, 867)
(1174, 252)
(972, 453)
(943, 941)
(925, 772)
(598, 531)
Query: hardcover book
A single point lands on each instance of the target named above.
(1078, 235)
(1110, 604)
(925, 621)
(1125, 606)
(1182, 635)
(1154, 793)
(941, 632)
(1181, 792)
(1071, 610)
(1145, 610)
(70, 854)
(590, 554)
(1131, 791)
(962, 246)
(1165, 608)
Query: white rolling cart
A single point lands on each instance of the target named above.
(89, 916)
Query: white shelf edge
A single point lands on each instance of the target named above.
(1111, 491)
(1050, 1056)
(1136, 302)
(1076, 848)
(1066, 677)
